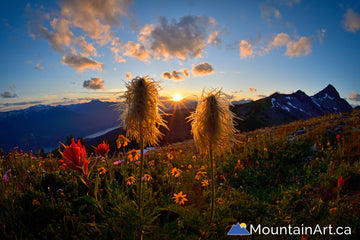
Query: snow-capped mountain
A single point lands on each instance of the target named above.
(280, 108)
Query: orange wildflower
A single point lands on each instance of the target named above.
(180, 198)
(205, 183)
(133, 155)
(175, 172)
(122, 141)
(130, 181)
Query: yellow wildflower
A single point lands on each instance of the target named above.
(122, 141)
(180, 198)
(220, 200)
(146, 178)
(199, 174)
(133, 155)
(205, 183)
(130, 181)
(175, 172)
(170, 156)
(102, 170)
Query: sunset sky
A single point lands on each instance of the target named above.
(61, 52)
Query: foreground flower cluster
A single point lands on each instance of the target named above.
(267, 179)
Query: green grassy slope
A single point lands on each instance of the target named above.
(305, 172)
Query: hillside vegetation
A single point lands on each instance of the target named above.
(306, 172)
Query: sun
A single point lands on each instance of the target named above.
(177, 98)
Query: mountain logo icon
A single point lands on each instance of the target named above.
(238, 229)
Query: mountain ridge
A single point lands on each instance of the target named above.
(283, 108)
(42, 126)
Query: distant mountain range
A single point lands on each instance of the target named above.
(44, 126)
(283, 108)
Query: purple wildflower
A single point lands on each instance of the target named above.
(119, 162)
(5, 177)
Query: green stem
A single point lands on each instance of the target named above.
(212, 185)
(140, 176)
(141, 171)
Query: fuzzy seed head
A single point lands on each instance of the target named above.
(140, 111)
(212, 122)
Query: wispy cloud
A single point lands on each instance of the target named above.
(246, 49)
(25, 103)
(95, 20)
(128, 75)
(8, 94)
(95, 17)
(289, 3)
(81, 62)
(136, 50)
(214, 38)
(279, 40)
(117, 49)
(354, 96)
(236, 91)
(176, 75)
(183, 39)
(294, 48)
(252, 89)
(38, 67)
(202, 69)
(269, 12)
(299, 48)
(351, 21)
(94, 83)
(321, 35)
(60, 37)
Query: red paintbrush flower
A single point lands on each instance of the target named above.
(340, 182)
(102, 149)
(75, 157)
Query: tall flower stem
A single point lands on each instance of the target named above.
(140, 176)
(141, 118)
(212, 173)
(213, 130)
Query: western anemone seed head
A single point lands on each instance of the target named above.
(141, 116)
(212, 122)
